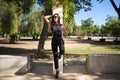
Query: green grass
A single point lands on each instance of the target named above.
(95, 50)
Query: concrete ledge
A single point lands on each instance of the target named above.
(60, 65)
(14, 64)
(103, 63)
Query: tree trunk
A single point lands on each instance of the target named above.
(44, 33)
(116, 8)
(119, 15)
(42, 38)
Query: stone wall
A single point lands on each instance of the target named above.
(14, 64)
(103, 63)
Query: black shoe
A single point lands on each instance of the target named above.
(57, 75)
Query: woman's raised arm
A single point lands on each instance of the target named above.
(47, 19)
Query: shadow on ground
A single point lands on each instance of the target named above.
(15, 51)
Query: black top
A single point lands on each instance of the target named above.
(57, 30)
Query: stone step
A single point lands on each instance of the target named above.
(103, 63)
(66, 69)
(15, 64)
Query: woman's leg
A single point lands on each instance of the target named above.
(55, 53)
(61, 48)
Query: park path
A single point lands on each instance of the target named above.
(30, 44)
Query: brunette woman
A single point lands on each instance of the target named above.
(57, 39)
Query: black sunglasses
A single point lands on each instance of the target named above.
(55, 16)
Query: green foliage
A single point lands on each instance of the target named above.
(34, 24)
(112, 26)
(79, 32)
(23, 29)
(69, 9)
(87, 25)
(49, 4)
(111, 23)
(10, 20)
(22, 6)
(82, 4)
(115, 29)
(11, 15)
(103, 29)
(68, 12)
(95, 29)
(70, 26)
(110, 19)
(79, 4)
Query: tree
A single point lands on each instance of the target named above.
(113, 26)
(34, 24)
(12, 11)
(116, 8)
(109, 21)
(68, 12)
(95, 29)
(48, 4)
(80, 32)
(87, 26)
(115, 29)
(103, 30)
(10, 21)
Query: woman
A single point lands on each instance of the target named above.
(57, 40)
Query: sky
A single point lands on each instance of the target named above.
(98, 12)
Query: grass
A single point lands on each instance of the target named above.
(95, 50)
(91, 50)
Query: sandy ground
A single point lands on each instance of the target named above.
(26, 45)
(69, 43)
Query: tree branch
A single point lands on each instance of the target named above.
(114, 5)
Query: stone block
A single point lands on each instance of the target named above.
(14, 64)
(103, 63)
(60, 65)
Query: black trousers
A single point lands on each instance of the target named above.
(57, 42)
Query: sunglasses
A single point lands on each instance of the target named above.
(55, 16)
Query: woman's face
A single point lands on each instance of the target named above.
(55, 18)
